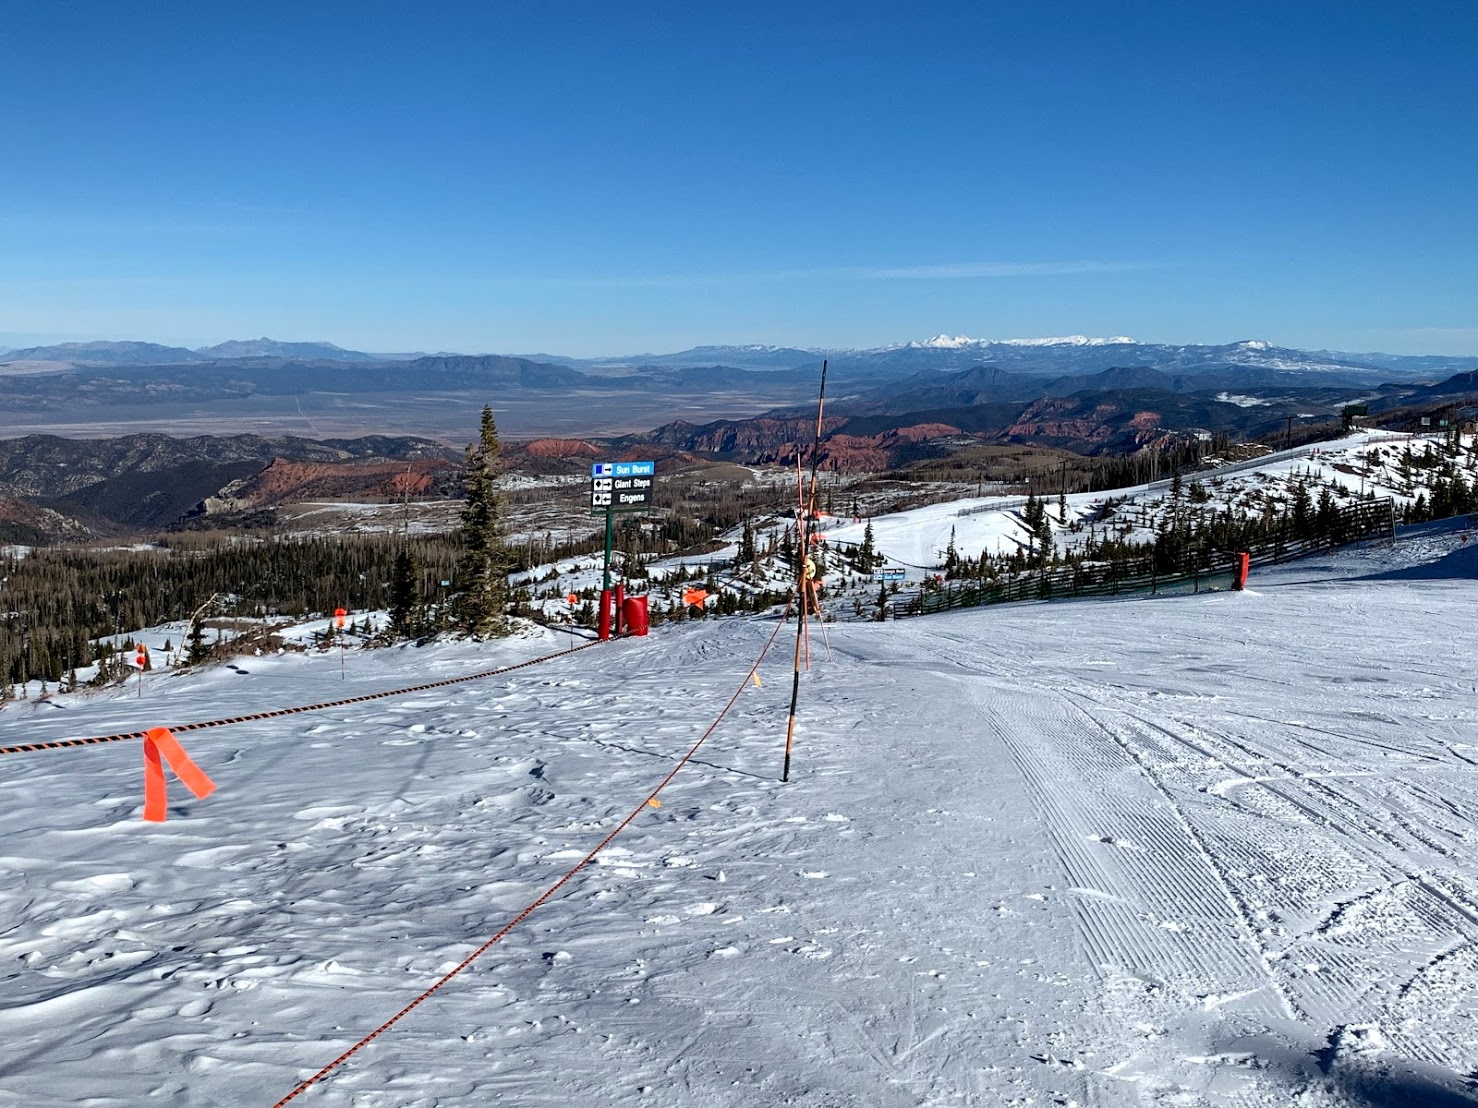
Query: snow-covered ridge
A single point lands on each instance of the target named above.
(958, 342)
(1070, 340)
(1241, 400)
(748, 348)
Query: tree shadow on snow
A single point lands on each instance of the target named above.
(1355, 1070)
(1454, 565)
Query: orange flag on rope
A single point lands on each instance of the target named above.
(695, 597)
(160, 741)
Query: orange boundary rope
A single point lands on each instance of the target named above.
(63, 744)
(543, 897)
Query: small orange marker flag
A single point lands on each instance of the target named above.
(339, 615)
(160, 741)
(573, 599)
(757, 682)
(654, 802)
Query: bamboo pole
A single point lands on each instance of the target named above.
(803, 589)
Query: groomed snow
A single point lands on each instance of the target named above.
(1209, 850)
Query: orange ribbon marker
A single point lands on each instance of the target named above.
(157, 741)
(339, 615)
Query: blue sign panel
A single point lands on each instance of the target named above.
(621, 486)
(623, 469)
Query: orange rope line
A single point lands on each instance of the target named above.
(542, 898)
(63, 744)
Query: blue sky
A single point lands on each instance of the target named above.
(611, 178)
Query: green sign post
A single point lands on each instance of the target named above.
(617, 487)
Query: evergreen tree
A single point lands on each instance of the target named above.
(867, 554)
(632, 567)
(404, 595)
(481, 605)
(1326, 517)
(787, 550)
(1303, 511)
(1441, 504)
(1033, 513)
(195, 649)
(1462, 495)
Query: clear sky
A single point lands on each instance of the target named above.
(587, 178)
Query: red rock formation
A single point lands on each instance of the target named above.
(559, 448)
(284, 481)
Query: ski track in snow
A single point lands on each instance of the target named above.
(1188, 851)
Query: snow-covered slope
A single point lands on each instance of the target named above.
(1211, 850)
(1361, 464)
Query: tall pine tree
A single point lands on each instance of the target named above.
(481, 605)
(404, 595)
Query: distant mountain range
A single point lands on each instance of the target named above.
(151, 353)
(1115, 411)
(1091, 395)
(1251, 360)
(53, 487)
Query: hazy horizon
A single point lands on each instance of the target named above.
(25, 341)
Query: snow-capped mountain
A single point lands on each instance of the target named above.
(1250, 361)
(960, 342)
(1245, 362)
